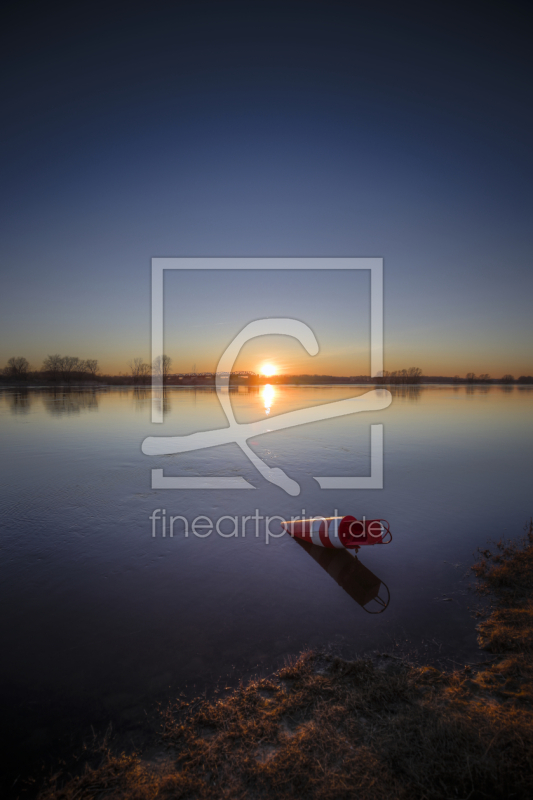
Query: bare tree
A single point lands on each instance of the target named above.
(161, 367)
(17, 367)
(414, 374)
(69, 365)
(53, 365)
(411, 375)
(144, 372)
(470, 377)
(140, 371)
(91, 367)
(136, 368)
(66, 367)
(484, 377)
(508, 378)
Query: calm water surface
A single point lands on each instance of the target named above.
(100, 620)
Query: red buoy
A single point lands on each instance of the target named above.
(347, 532)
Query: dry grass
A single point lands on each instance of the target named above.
(328, 729)
(506, 574)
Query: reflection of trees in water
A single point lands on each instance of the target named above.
(479, 389)
(20, 401)
(507, 389)
(70, 401)
(141, 398)
(405, 391)
(161, 398)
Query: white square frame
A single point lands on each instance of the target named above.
(375, 265)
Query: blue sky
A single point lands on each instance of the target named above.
(296, 129)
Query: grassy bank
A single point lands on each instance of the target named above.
(328, 729)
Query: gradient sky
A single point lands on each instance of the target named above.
(268, 129)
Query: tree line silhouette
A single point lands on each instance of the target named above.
(55, 368)
(68, 369)
(141, 372)
(411, 375)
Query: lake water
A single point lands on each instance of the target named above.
(100, 619)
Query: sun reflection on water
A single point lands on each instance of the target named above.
(268, 396)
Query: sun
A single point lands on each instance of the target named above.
(268, 370)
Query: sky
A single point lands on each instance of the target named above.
(400, 131)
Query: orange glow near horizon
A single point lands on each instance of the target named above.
(268, 370)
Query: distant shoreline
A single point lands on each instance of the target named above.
(276, 380)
